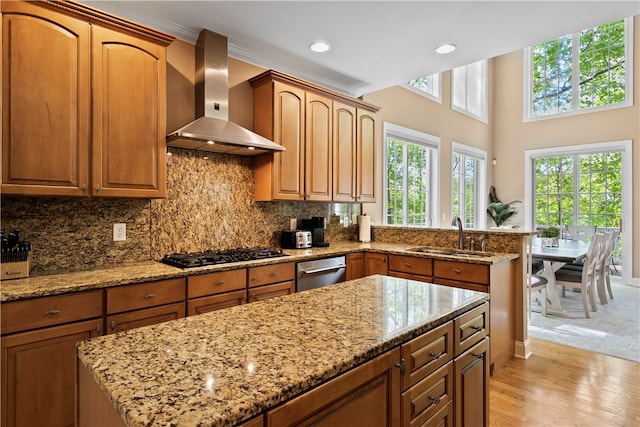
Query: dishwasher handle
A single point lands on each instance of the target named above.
(324, 269)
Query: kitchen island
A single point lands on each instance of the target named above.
(228, 366)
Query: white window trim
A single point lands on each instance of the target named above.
(476, 153)
(421, 138)
(627, 192)
(427, 95)
(485, 117)
(528, 87)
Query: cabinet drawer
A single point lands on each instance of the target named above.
(48, 311)
(465, 272)
(268, 274)
(216, 283)
(470, 328)
(412, 265)
(216, 302)
(144, 295)
(425, 399)
(461, 285)
(425, 354)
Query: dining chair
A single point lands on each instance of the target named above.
(585, 278)
(580, 232)
(606, 267)
(535, 284)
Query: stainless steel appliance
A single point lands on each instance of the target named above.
(321, 272)
(200, 259)
(296, 239)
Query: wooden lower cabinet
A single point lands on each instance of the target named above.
(412, 268)
(148, 316)
(375, 263)
(422, 402)
(355, 266)
(366, 396)
(271, 281)
(216, 302)
(38, 374)
(472, 386)
(271, 291)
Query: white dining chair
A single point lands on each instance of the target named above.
(536, 285)
(585, 278)
(605, 279)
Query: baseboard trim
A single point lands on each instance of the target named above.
(523, 350)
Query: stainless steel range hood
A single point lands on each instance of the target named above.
(213, 131)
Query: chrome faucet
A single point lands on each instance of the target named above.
(454, 221)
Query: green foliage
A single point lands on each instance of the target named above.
(498, 211)
(550, 232)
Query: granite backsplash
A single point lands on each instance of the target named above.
(209, 205)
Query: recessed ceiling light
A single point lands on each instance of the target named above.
(445, 48)
(319, 47)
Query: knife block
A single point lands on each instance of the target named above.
(16, 270)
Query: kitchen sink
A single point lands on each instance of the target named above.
(451, 252)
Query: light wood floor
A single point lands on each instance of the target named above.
(564, 386)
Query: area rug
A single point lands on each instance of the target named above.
(613, 330)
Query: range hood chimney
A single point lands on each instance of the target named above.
(212, 131)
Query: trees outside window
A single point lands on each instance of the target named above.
(581, 71)
(411, 175)
(468, 181)
(429, 86)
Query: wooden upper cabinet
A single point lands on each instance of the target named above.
(327, 157)
(91, 120)
(129, 115)
(45, 102)
(366, 157)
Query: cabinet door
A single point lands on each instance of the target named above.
(45, 102)
(366, 396)
(366, 158)
(38, 374)
(216, 302)
(318, 148)
(355, 266)
(289, 131)
(472, 386)
(375, 264)
(344, 153)
(150, 316)
(129, 116)
(271, 291)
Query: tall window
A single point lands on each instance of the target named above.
(429, 86)
(581, 71)
(468, 181)
(580, 189)
(469, 90)
(410, 186)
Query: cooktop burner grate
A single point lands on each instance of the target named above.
(200, 259)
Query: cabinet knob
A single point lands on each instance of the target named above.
(98, 329)
(113, 325)
(84, 188)
(402, 365)
(53, 312)
(98, 188)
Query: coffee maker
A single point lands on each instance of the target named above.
(316, 226)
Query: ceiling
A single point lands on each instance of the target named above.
(374, 44)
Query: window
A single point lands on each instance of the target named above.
(468, 183)
(428, 86)
(411, 180)
(589, 184)
(581, 72)
(469, 90)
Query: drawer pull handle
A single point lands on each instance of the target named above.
(457, 270)
(407, 264)
(479, 356)
(477, 328)
(53, 312)
(402, 365)
(436, 356)
(220, 283)
(435, 400)
(149, 296)
(13, 272)
(274, 273)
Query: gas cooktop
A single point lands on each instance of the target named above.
(200, 259)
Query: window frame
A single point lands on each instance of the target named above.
(481, 187)
(484, 117)
(528, 80)
(428, 95)
(433, 142)
(626, 147)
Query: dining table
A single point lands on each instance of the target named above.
(553, 258)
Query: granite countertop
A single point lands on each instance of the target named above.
(223, 367)
(56, 284)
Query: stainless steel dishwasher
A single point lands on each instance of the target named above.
(320, 272)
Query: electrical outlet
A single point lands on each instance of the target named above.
(119, 232)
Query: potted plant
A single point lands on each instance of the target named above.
(499, 211)
(550, 237)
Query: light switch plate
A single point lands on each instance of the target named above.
(119, 232)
